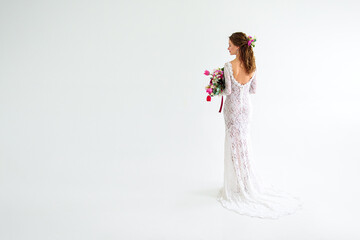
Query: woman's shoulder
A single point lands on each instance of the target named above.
(226, 64)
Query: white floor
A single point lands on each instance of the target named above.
(146, 201)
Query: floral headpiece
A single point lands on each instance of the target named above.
(251, 41)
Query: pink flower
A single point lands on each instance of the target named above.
(209, 90)
(206, 72)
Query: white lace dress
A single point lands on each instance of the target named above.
(242, 192)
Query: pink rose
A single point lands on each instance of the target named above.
(206, 72)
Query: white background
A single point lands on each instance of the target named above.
(105, 131)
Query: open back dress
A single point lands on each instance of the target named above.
(241, 191)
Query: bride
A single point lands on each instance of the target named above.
(241, 191)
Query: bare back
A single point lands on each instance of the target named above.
(239, 73)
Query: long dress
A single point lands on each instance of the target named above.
(242, 192)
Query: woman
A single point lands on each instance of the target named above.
(241, 191)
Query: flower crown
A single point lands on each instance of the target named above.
(251, 41)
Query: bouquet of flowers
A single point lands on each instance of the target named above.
(216, 85)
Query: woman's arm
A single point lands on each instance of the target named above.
(227, 90)
(252, 88)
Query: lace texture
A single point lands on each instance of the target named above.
(242, 192)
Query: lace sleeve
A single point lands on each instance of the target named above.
(227, 90)
(252, 88)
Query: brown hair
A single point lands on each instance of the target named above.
(246, 53)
